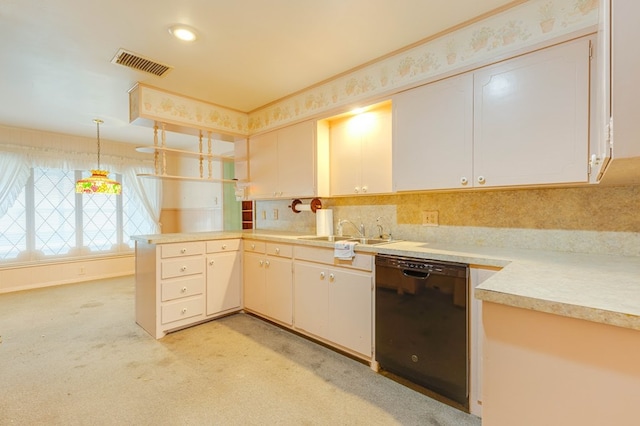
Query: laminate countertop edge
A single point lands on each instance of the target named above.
(594, 287)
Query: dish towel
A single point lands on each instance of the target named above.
(344, 250)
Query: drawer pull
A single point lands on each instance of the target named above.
(253, 246)
(267, 263)
(332, 277)
(224, 247)
(184, 310)
(211, 263)
(261, 262)
(322, 275)
(278, 250)
(183, 268)
(183, 289)
(183, 250)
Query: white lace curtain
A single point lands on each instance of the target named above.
(15, 173)
(16, 162)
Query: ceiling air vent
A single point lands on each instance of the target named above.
(135, 61)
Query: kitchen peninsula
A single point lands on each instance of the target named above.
(554, 322)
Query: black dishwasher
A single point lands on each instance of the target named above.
(422, 323)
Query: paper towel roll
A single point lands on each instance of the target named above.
(303, 207)
(324, 222)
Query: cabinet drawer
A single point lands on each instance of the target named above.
(282, 250)
(182, 309)
(325, 256)
(223, 245)
(181, 249)
(182, 267)
(255, 246)
(182, 288)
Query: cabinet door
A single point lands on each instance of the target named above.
(297, 160)
(254, 282)
(345, 162)
(263, 158)
(531, 118)
(376, 152)
(279, 289)
(223, 282)
(350, 310)
(311, 299)
(433, 135)
(360, 153)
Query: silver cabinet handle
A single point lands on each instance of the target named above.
(332, 277)
(278, 250)
(356, 189)
(464, 180)
(364, 189)
(481, 179)
(322, 275)
(267, 263)
(261, 262)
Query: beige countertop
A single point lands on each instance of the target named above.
(599, 288)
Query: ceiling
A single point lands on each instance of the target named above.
(55, 56)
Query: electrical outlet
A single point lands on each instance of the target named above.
(275, 214)
(430, 217)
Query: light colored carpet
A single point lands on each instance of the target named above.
(74, 355)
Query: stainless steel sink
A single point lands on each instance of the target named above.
(329, 238)
(334, 238)
(371, 240)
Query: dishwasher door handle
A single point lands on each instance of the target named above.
(420, 275)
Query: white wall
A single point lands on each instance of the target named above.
(24, 277)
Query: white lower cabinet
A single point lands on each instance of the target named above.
(174, 289)
(268, 287)
(224, 283)
(334, 304)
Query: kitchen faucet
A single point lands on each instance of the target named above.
(361, 232)
(381, 228)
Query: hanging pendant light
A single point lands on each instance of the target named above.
(99, 181)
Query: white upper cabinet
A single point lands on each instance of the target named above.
(360, 152)
(433, 135)
(531, 118)
(282, 162)
(523, 121)
(616, 156)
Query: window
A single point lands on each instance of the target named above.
(49, 219)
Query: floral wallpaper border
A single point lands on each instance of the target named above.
(527, 24)
(157, 105)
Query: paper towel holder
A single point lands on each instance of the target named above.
(314, 204)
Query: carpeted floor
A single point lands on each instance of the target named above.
(74, 355)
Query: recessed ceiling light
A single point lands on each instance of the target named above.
(183, 32)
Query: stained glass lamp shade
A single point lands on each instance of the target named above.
(99, 181)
